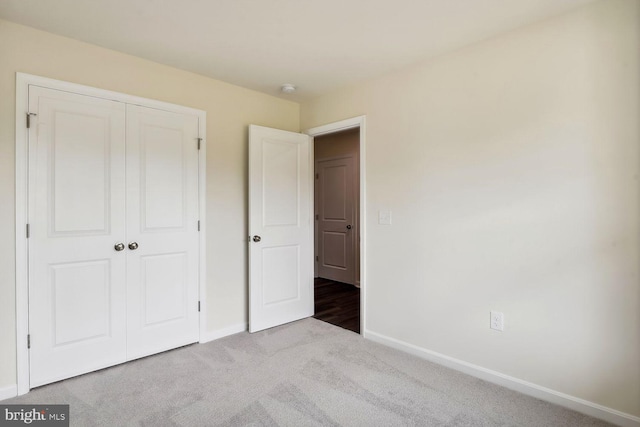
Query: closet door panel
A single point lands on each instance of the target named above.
(162, 230)
(77, 293)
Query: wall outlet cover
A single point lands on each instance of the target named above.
(496, 321)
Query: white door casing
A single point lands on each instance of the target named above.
(280, 227)
(93, 182)
(162, 224)
(77, 216)
(336, 218)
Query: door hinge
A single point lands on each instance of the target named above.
(28, 340)
(198, 225)
(317, 176)
(316, 257)
(28, 231)
(198, 306)
(199, 141)
(29, 119)
(316, 217)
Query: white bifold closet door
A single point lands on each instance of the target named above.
(162, 219)
(113, 247)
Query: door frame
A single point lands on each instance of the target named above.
(352, 123)
(23, 81)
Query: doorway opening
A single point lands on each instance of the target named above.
(337, 228)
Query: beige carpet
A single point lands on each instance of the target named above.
(306, 373)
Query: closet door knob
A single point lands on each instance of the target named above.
(119, 247)
(257, 238)
(349, 227)
(133, 246)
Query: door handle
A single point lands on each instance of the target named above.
(119, 247)
(133, 246)
(349, 227)
(257, 238)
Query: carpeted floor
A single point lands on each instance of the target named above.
(307, 373)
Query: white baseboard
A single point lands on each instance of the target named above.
(525, 387)
(8, 392)
(221, 333)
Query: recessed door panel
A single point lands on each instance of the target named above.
(280, 175)
(80, 290)
(277, 271)
(334, 249)
(335, 181)
(80, 193)
(164, 280)
(280, 248)
(162, 176)
(77, 294)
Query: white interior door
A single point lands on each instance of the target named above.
(162, 230)
(336, 221)
(280, 224)
(77, 310)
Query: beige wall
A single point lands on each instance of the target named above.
(511, 169)
(229, 110)
(337, 144)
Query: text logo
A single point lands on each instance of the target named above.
(34, 415)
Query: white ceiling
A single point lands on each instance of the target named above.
(318, 45)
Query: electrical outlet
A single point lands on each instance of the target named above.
(496, 321)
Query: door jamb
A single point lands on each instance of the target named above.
(23, 81)
(355, 122)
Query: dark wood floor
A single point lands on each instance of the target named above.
(337, 303)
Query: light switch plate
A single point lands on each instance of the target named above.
(384, 217)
